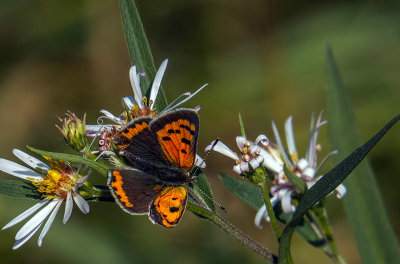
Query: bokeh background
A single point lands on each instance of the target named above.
(264, 59)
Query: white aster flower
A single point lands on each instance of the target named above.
(56, 183)
(138, 105)
(251, 154)
(305, 168)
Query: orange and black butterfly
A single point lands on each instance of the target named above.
(161, 152)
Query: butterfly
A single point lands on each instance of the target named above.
(160, 151)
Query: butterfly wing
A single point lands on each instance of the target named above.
(177, 132)
(139, 144)
(133, 190)
(168, 207)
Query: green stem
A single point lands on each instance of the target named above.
(322, 215)
(233, 232)
(267, 200)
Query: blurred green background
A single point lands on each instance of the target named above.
(264, 59)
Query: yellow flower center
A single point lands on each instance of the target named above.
(55, 184)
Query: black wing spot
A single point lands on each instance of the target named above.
(183, 151)
(166, 138)
(188, 129)
(174, 209)
(171, 131)
(174, 198)
(185, 141)
(177, 131)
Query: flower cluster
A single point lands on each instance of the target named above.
(273, 158)
(56, 183)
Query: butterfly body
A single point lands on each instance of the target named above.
(160, 152)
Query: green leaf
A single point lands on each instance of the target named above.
(96, 165)
(19, 189)
(245, 191)
(298, 182)
(205, 191)
(242, 131)
(363, 204)
(139, 49)
(326, 185)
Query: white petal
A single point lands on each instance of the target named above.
(17, 170)
(49, 223)
(199, 162)
(95, 130)
(270, 162)
(236, 169)
(29, 160)
(260, 216)
(244, 166)
(242, 142)
(308, 173)
(68, 207)
(108, 115)
(223, 149)
(185, 100)
(81, 180)
(26, 214)
(127, 102)
(137, 93)
(280, 145)
(290, 136)
(302, 164)
(340, 191)
(36, 220)
(81, 203)
(22, 241)
(286, 201)
(254, 163)
(263, 139)
(157, 82)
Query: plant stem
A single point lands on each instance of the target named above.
(233, 232)
(271, 214)
(321, 213)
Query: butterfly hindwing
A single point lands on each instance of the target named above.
(177, 133)
(133, 190)
(169, 206)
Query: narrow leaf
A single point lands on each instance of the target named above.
(100, 168)
(19, 189)
(139, 49)
(326, 185)
(245, 191)
(242, 131)
(363, 203)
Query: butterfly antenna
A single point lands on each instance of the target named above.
(212, 200)
(197, 168)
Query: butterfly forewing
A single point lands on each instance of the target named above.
(177, 134)
(139, 144)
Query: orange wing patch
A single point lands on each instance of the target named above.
(129, 132)
(168, 208)
(176, 139)
(117, 185)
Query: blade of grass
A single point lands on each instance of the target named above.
(363, 204)
(139, 49)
